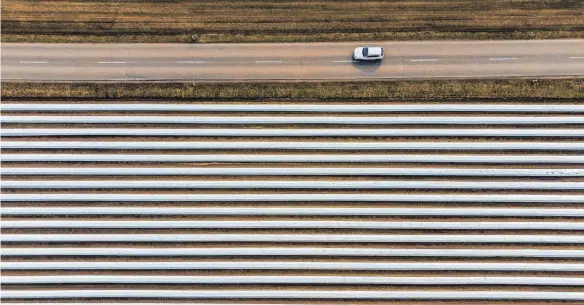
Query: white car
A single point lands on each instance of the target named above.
(368, 53)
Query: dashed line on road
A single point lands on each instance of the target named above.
(502, 58)
(268, 61)
(351, 61)
(424, 60)
(112, 62)
(33, 62)
(577, 57)
(190, 62)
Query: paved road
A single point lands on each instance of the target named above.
(291, 61)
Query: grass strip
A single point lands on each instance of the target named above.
(282, 38)
(418, 89)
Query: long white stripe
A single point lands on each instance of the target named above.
(284, 265)
(293, 197)
(293, 132)
(286, 224)
(315, 238)
(472, 120)
(502, 58)
(234, 107)
(304, 158)
(296, 145)
(328, 280)
(424, 59)
(307, 184)
(297, 251)
(294, 171)
(296, 294)
(297, 211)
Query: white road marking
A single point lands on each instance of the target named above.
(577, 57)
(503, 58)
(190, 62)
(344, 61)
(268, 61)
(127, 79)
(33, 62)
(112, 62)
(424, 59)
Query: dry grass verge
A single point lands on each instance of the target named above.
(283, 21)
(479, 89)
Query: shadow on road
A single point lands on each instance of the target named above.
(367, 66)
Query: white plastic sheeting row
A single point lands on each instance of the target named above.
(303, 158)
(285, 265)
(294, 224)
(295, 211)
(296, 294)
(290, 145)
(275, 132)
(289, 184)
(293, 171)
(234, 107)
(296, 238)
(273, 280)
(295, 251)
(337, 120)
(502, 198)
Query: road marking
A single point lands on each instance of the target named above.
(503, 58)
(345, 61)
(190, 62)
(127, 79)
(33, 62)
(268, 61)
(112, 62)
(425, 59)
(577, 57)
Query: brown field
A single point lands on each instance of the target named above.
(280, 21)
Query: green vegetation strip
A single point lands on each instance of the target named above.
(500, 89)
(209, 21)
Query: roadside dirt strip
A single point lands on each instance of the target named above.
(292, 203)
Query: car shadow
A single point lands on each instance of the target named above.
(367, 66)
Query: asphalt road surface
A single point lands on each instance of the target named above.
(289, 61)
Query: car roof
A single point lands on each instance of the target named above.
(374, 51)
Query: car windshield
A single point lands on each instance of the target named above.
(365, 52)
